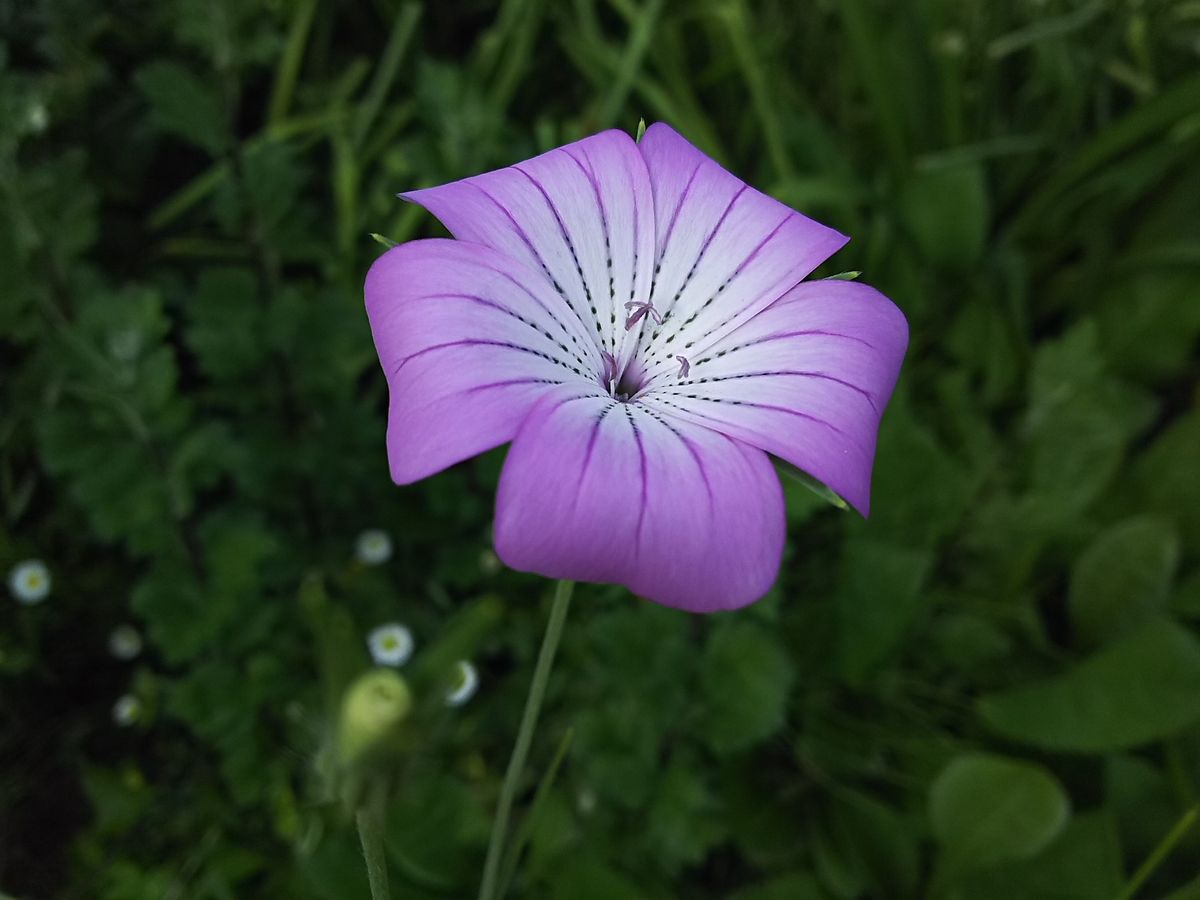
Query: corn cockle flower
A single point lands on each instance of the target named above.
(633, 318)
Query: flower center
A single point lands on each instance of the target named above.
(620, 384)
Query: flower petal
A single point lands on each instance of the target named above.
(807, 380)
(724, 250)
(469, 342)
(598, 490)
(581, 214)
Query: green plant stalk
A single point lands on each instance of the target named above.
(289, 65)
(516, 764)
(370, 831)
(640, 37)
(1160, 853)
(525, 830)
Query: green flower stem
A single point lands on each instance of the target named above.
(516, 764)
(370, 832)
(1160, 853)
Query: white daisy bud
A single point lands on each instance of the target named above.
(29, 581)
(373, 547)
(124, 642)
(463, 685)
(127, 710)
(390, 645)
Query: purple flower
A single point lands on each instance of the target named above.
(632, 317)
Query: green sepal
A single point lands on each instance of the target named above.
(824, 492)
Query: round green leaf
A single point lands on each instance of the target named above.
(1144, 687)
(747, 678)
(987, 809)
(1123, 577)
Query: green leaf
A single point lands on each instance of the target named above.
(948, 214)
(585, 877)
(920, 491)
(225, 321)
(183, 104)
(1145, 687)
(1123, 578)
(794, 886)
(746, 679)
(1082, 863)
(987, 809)
(435, 829)
(879, 599)
(874, 841)
(1079, 420)
(1150, 321)
(1167, 479)
(684, 820)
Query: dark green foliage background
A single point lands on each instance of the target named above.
(989, 690)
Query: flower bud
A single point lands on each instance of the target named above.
(374, 708)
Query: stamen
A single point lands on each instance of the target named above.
(609, 376)
(684, 366)
(639, 311)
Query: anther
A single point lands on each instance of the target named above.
(640, 310)
(609, 376)
(684, 366)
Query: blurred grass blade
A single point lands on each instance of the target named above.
(385, 72)
(750, 59)
(289, 64)
(508, 868)
(1151, 117)
(1160, 853)
(1044, 29)
(640, 36)
(508, 51)
(866, 46)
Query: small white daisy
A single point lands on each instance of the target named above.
(29, 581)
(464, 684)
(124, 642)
(373, 547)
(127, 710)
(390, 644)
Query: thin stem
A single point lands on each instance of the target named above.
(370, 832)
(516, 764)
(1160, 853)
